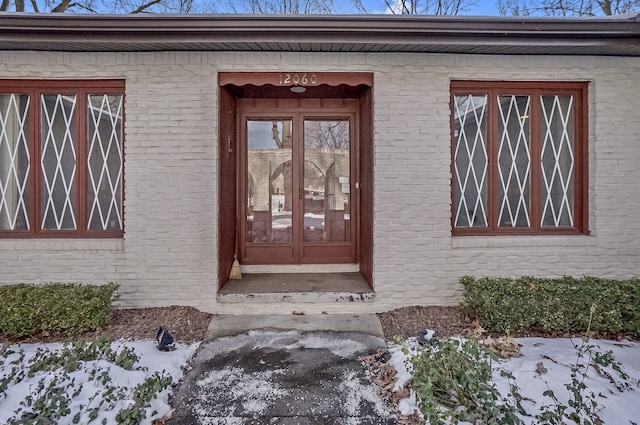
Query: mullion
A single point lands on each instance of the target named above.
(34, 134)
(37, 155)
(536, 159)
(492, 160)
(81, 160)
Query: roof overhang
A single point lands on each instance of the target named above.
(610, 36)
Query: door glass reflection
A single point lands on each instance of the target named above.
(326, 181)
(269, 181)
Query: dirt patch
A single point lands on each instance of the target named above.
(186, 324)
(409, 321)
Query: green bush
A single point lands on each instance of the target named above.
(453, 381)
(562, 304)
(55, 308)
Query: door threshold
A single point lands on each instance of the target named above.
(325, 287)
(300, 268)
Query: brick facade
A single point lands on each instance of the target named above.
(169, 252)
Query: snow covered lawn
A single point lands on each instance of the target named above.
(88, 383)
(546, 364)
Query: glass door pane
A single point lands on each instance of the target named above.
(326, 181)
(269, 181)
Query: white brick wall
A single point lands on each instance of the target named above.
(169, 253)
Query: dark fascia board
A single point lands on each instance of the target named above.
(73, 32)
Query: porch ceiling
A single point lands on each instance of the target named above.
(611, 36)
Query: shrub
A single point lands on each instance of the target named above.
(453, 381)
(74, 384)
(56, 308)
(561, 304)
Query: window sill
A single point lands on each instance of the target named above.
(47, 244)
(549, 241)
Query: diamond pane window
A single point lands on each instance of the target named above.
(61, 143)
(104, 188)
(519, 160)
(14, 162)
(514, 161)
(470, 160)
(557, 161)
(58, 162)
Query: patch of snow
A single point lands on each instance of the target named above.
(557, 356)
(255, 339)
(408, 405)
(341, 348)
(254, 390)
(400, 360)
(150, 360)
(356, 393)
(288, 340)
(222, 421)
(427, 335)
(546, 364)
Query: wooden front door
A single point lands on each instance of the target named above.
(297, 180)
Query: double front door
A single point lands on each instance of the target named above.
(297, 185)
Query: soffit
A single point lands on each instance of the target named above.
(617, 36)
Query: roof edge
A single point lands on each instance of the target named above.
(72, 32)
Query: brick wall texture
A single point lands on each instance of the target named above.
(169, 252)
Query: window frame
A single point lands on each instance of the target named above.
(81, 89)
(534, 89)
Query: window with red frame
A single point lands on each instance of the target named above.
(61, 158)
(519, 157)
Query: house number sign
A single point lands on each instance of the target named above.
(297, 79)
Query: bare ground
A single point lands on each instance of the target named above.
(406, 322)
(188, 324)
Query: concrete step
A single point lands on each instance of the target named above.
(345, 287)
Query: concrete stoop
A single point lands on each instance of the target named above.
(297, 288)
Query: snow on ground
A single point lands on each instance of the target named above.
(355, 392)
(290, 340)
(150, 360)
(284, 373)
(546, 364)
(255, 391)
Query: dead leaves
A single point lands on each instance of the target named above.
(476, 329)
(383, 375)
(503, 347)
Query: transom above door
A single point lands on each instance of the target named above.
(296, 177)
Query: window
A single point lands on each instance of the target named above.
(519, 157)
(61, 158)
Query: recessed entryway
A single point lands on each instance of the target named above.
(295, 171)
